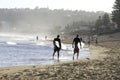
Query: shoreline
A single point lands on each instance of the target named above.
(93, 51)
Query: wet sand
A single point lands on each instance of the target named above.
(104, 66)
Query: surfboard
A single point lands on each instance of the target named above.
(82, 45)
(57, 44)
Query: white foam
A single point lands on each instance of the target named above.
(40, 43)
(11, 43)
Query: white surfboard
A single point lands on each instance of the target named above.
(57, 44)
(82, 45)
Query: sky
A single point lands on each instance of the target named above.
(87, 5)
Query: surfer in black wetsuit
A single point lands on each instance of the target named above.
(57, 47)
(75, 45)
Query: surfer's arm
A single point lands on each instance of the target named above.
(54, 42)
(80, 43)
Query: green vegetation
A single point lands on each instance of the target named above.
(104, 24)
(44, 20)
(116, 14)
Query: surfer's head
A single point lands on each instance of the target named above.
(77, 36)
(58, 36)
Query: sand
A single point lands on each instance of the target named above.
(105, 65)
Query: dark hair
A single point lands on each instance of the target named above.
(77, 35)
(58, 35)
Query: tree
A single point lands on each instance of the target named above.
(116, 13)
(98, 24)
(106, 19)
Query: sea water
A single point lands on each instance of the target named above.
(18, 51)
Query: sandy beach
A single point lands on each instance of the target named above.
(105, 65)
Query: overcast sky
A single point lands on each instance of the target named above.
(87, 5)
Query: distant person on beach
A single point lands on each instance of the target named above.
(45, 37)
(76, 42)
(96, 39)
(37, 38)
(89, 40)
(57, 46)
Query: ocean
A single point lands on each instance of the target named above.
(25, 50)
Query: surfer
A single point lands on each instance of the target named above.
(57, 46)
(75, 43)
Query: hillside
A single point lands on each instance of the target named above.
(43, 19)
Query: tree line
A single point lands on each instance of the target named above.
(41, 20)
(44, 19)
(116, 14)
